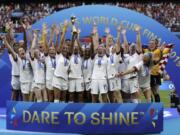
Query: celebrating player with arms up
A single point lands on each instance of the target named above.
(50, 58)
(130, 85)
(99, 75)
(142, 67)
(60, 78)
(114, 60)
(26, 74)
(38, 64)
(15, 82)
(76, 83)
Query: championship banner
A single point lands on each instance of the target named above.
(85, 118)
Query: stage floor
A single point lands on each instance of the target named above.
(171, 125)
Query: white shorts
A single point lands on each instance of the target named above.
(26, 87)
(114, 84)
(39, 86)
(87, 86)
(144, 83)
(99, 86)
(118, 80)
(15, 82)
(145, 89)
(32, 86)
(60, 83)
(76, 85)
(145, 86)
(130, 85)
(49, 85)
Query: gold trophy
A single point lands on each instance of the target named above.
(73, 21)
(137, 28)
(44, 33)
(107, 30)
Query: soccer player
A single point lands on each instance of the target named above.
(38, 64)
(155, 75)
(15, 82)
(60, 78)
(99, 83)
(50, 58)
(130, 85)
(114, 59)
(87, 69)
(26, 74)
(76, 82)
(143, 68)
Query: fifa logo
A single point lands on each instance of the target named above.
(13, 119)
(154, 116)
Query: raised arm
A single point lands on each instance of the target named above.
(138, 39)
(10, 33)
(74, 34)
(25, 35)
(92, 48)
(125, 42)
(118, 44)
(108, 36)
(95, 37)
(58, 33)
(29, 34)
(64, 30)
(78, 41)
(10, 49)
(34, 43)
(52, 34)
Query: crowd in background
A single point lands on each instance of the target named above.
(166, 13)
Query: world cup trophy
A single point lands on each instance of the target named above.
(73, 21)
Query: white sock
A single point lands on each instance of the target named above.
(134, 100)
(70, 102)
(39, 100)
(56, 101)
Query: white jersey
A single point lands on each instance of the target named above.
(15, 66)
(131, 61)
(75, 67)
(87, 69)
(143, 73)
(123, 66)
(110, 49)
(50, 67)
(39, 71)
(100, 67)
(42, 56)
(26, 73)
(112, 66)
(62, 67)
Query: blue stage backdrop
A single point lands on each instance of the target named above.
(104, 16)
(85, 118)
